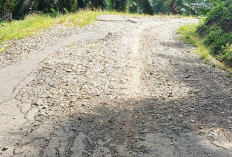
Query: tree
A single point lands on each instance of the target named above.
(6, 9)
(173, 6)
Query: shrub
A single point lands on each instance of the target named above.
(6, 8)
(216, 30)
(227, 54)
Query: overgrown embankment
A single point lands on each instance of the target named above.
(216, 30)
(214, 35)
(18, 9)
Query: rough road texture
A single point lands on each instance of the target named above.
(122, 87)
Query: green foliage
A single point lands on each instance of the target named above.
(6, 5)
(118, 5)
(20, 8)
(188, 34)
(6, 8)
(145, 6)
(132, 6)
(140, 6)
(216, 30)
(34, 23)
(65, 6)
(229, 76)
(160, 7)
(196, 7)
(21, 28)
(227, 54)
(109, 4)
(53, 13)
(186, 7)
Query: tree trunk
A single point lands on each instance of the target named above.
(173, 7)
(94, 4)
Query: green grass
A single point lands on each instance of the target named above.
(229, 76)
(81, 18)
(33, 24)
(188, 35)
(85, 17)
(4, 48)
(71, 45)
(22, 28)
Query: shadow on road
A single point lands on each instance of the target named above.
(197, 123)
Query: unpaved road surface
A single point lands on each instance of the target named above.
(121, 87)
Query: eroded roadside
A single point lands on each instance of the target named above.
(129, 88)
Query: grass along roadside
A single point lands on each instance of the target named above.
(35, 23)
(22, 28)
(188, 35)
(4, 48)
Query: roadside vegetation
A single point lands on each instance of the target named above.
(189, 35)
(21, 28)
(216, 32)
(35, 23)
(20, 18)
(18, 9)
(28, 17)
(213, 37)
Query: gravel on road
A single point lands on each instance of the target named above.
(121, 87)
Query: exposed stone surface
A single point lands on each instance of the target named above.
(17, 50)
(119, 87)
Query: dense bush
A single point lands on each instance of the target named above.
(196, 7)
(216, 30)
(20, 8)
(160, 7)
(142, 6)
(6, 7)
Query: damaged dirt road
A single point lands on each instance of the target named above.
(123, 87)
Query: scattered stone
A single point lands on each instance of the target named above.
(169, 117)
(5, 148)
(145, 91)
(35, 104)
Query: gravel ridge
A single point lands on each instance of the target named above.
(17, 50)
